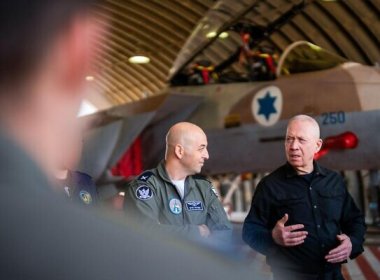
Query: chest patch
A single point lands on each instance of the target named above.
(175, 206)
(144, 192)
(85, 197)
(194, 205)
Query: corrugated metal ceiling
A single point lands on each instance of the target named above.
(160, 28)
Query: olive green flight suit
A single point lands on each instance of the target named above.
(153, 195)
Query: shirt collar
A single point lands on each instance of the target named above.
(291, 172)
(164, 174)
(162, 171)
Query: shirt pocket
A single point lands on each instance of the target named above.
(292, 204)
(331, 203)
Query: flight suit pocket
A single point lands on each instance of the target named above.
(217, 219)
(213, 214)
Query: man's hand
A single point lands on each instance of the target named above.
(286, 235)
(342, 252)
(204, 231)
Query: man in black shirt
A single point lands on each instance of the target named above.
(302, 216)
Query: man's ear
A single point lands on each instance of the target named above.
(179, 151)
(319, 145)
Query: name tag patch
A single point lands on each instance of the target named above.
(144, 192)
(194, 205)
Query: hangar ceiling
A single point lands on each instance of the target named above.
(161, 28)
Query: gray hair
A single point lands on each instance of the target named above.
(306, 118)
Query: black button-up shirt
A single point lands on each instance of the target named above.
(319, 201)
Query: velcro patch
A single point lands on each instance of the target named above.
(85, 197)
(145, 176)
(194, 205)
(144, 192)
(175, 206)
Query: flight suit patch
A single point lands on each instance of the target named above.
(194, 205)
(85, 197)
(175, 206)
(144, 192)
(145, 176)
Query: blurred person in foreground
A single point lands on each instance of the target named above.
(173, 196)
(77, 186)
(302, 217)
(45, 52)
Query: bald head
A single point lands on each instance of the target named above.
(186, 148)
(183, 133)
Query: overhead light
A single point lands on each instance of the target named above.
(122, 193)
(223, 35)
(139, 59)
(211, 34)
(90, 78)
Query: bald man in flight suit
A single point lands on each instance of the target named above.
(172, 196)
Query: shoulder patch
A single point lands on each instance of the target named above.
(144, 192)
(145, 176)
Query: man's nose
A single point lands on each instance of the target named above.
(205, 154)
(294, 145)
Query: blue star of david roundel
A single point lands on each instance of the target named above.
(267, 105)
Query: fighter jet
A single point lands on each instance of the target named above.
(245, 122)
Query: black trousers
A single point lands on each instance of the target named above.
(283, 274)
